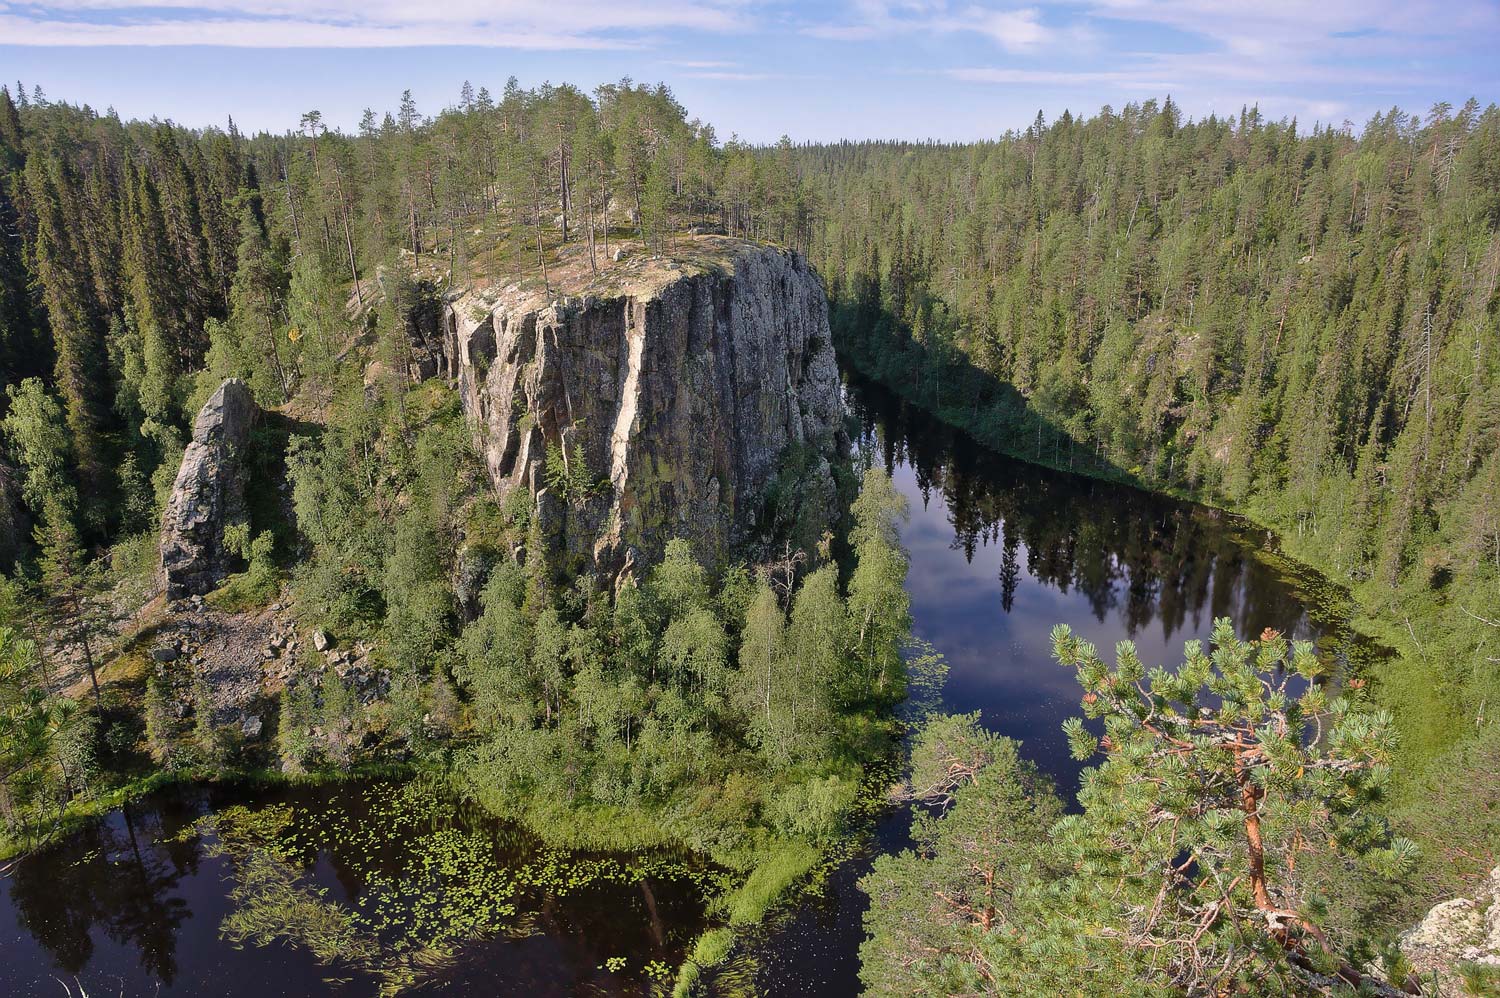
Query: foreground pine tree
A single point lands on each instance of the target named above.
(1190, 870)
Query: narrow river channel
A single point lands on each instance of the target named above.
(1001, 552)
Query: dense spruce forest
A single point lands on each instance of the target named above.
(1302, 327)
(144, 262)
(1300, 324)
(710, 707)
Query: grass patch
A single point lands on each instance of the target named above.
(587, 827)
(247, 591)
(713, 947)
(769, 881)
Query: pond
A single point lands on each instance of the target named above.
(134, 904)
(1001, 551)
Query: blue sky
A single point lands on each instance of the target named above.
(949, 69)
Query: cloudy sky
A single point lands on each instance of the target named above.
(951, 69)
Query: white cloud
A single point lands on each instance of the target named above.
(1061, 78)
(523, 24)
(720, 74)
(1013, 29)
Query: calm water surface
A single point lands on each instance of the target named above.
(1000, 552)
(132, 906)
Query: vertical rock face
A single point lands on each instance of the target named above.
(208, 495)
(669, 400)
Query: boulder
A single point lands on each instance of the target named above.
(208, 495)
(321, 641)
(1455, 933)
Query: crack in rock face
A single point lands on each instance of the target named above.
(670, 403)
(208, 494)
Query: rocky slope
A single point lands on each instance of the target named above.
(208, 494)
(1455, 935)
(668, 391)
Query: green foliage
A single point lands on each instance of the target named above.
(34, 428)
(938, 913)
(209, 739)
(46, 742)
(769, 881)
(1481, 980)
(294, 739)
(1192, 865)
(818, 810)
(712, 948)
(1281, 321)
(342, 721)
(260, 582)
(161, 722)
(568, 475)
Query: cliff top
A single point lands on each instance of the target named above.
(637, 273)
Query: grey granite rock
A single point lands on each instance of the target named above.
(679, 394)
(208, 495)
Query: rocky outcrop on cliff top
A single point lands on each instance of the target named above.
(208, 494)
(1455, 933)
(671, 390)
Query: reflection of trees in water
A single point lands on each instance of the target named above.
(116, 876)
(1148, 558)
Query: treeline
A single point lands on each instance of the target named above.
(143, 262)
(1303, 324)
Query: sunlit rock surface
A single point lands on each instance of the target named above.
(668, 390)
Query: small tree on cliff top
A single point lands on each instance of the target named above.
(1219, 781)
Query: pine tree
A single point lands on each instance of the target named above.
(258, 297)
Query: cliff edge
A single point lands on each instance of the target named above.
(656, 399)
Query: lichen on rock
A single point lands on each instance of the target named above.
(208, 495)
(1456, 933)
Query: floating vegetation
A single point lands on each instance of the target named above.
(431, 878)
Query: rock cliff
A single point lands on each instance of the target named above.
(667, 394)
(208, 494)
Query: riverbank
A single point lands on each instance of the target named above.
(1424, 678)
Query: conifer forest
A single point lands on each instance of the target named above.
(541, 544)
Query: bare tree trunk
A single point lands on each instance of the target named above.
(562, 170)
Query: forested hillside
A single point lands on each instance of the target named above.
(144, 262)
(1300, 326)
(1299, 323)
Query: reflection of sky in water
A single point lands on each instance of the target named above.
(1000, 663)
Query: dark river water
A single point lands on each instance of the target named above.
(1000, 552)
